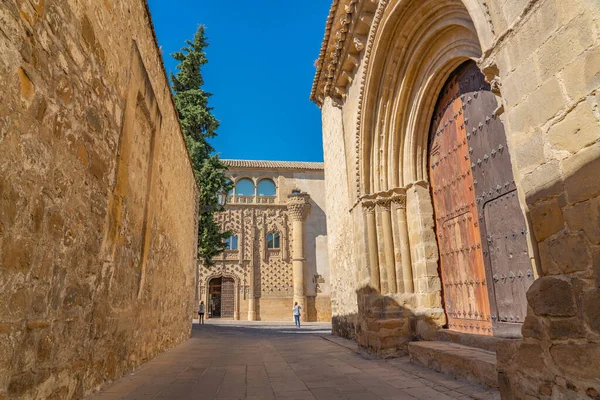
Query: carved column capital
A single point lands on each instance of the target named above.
(384, 204)
(369, 206)
(298, 206)
(399, 201)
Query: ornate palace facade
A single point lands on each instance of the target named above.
(277, 253)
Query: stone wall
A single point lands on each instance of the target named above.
(550, 73)
(542, 59)
(97, 198)
(344, 307)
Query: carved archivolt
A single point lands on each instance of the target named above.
(413, 47)
(408, 49)
(345, 36)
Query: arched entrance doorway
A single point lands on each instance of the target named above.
(480, 228)
(221, 301)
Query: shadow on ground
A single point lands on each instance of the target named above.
(225, 327)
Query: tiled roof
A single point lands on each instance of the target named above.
(301, 165)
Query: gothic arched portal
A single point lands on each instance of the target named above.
(484, 260)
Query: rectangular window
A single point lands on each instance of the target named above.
(232, 243)
(273, 240)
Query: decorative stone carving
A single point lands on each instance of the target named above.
(369, 206)
(399, 201)
(348, 26)
(384, 204)
(298, 206)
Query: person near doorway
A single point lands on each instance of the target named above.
(297, 310)
(201, 311)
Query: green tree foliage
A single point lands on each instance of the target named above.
(198, 125)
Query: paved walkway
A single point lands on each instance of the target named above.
(244, 360)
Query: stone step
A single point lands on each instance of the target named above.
(488, 343)
(459, 361)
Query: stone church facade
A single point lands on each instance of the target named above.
(277, 253)
(462, 150)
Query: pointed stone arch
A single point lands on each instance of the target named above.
(413, 47)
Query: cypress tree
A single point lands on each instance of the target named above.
(199, 124)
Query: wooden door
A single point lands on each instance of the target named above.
(214, 298)
(227, 298)
(502, 224)
(457, 217)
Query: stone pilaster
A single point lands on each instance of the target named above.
(251, 295)
(399, 202)
(388, 243)
(298, 208)
(369, 208)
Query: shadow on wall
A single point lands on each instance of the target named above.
(558, 357)
(312, 232)
(384, 324)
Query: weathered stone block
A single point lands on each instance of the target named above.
(565, 328)
(531, 356)
(585, 216)
(533, 328)
(577, 360)
(565, 253)
(596, 265)
(577, 170)
(528, 115)
(587, 65)
(16, 255)
(579, 129)
(534, 32)
(542, 183)
(564, 45)
(552, 296)
(528, 151)
(591, 309)
(546, 219)
(520, 83)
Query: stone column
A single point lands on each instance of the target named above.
(251, 272)
(236, 300)
(407, 275)
(298, 208)
(388, 243)
(251, 297)
(373, 250)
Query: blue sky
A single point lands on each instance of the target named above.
(260, 71)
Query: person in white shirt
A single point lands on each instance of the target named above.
(296, 310)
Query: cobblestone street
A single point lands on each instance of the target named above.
(261, 360)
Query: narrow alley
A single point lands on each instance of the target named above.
(265, 360)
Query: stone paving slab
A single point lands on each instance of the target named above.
(268, 360)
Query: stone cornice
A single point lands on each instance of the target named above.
(346, 32)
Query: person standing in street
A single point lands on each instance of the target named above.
(201, 311)
(297, 310)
